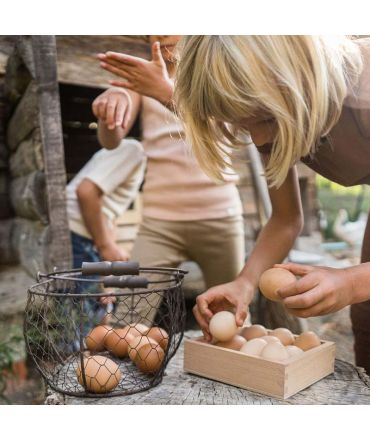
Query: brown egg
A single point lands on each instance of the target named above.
(252, 332)
(117, 341)
(137, 342)
(222, 326)
(307, 340)
(137, 329)
(294, 352)
(285, 336)
(273, 279)
(235, 343)
(96, 337)
(159, 335)
(102, 374)
(149, 357)
(270, 338)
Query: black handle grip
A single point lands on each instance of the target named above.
(126, 281)
(111, 268)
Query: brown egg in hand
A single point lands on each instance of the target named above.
(101, 374)
(273, 279)
(96, 337)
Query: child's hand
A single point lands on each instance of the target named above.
(319, 291)
(235, 296)
(113, 108)
(113, 252)
(149, 78)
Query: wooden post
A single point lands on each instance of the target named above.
(44, 55)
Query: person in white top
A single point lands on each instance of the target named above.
(186, 216)
(99, 193)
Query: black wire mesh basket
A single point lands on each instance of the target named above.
(105, 329)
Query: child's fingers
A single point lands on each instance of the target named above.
(203, 324)
(123, 58)
(120, 113)
(102, 109)
(127, 115)
(111, 112)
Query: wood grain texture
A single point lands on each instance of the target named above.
(25, 117)
(28, 157)
(348, 385)
(44, 53)
(77, 62)
(28, 196)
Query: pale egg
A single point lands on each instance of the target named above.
(235, 343)
(222, 326)
(307, 340)
(254, 347)
(275, 351)
(294, 352)
(273, 279)
(286, 336)
(96, 337)
(101, 373)
(254, 331)
(270, 338)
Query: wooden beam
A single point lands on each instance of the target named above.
(59, 246)
(28, 196)
(28, 156)
(25, 117)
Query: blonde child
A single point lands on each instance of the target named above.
(186, 216)
(301, 98)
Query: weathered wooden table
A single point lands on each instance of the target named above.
(348, 385)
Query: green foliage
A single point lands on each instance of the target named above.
(8, 354)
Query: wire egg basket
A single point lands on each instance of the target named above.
(106, 329)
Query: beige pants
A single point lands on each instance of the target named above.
(216, 245)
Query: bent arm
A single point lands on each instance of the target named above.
(279, 234)
(109, 137)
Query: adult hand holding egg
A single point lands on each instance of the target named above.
(319, 291)
(234, 295)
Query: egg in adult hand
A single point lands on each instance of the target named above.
(307, 340)
(252, 332)
(275, 351)
(285, 336)
(101, 374)
(253, 347)
(96, 337)
(235, 343)
(273, 279)
(222, 326)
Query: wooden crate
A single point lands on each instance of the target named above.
(277, 379)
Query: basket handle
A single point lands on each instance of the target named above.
(125, 281)
(111, 268)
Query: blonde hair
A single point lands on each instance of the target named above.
(300, 82)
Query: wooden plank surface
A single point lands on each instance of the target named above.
(77, 63)
(348, 385)
(28, 156)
